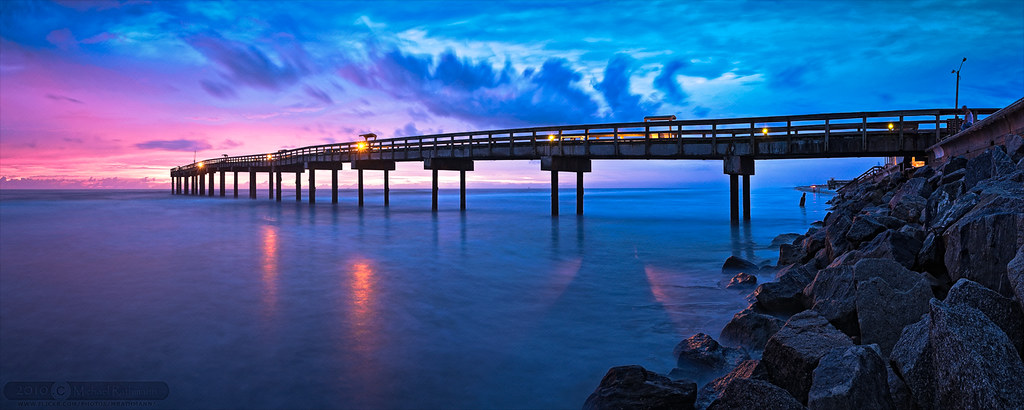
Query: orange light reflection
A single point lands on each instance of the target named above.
(363, 326)
(270, 268)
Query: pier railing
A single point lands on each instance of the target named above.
(938, 122)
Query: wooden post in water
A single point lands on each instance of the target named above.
(270, 182)
(211, 183)
(746, 197)
(433, 192)
(235, 179)
(202, 184)
(277, 186)
(298, 187)
(387, 190)
(462, 190)
(252, 184)
(360, 187)
(334, 186)
(734, 198)
(222, 183)
(579, 192)
(554, 193)
(312, 186)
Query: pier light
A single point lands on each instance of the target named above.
(551, 137)
(200, 165)
(890, 126)
(361, 146)
(270, 157)
(764, 130)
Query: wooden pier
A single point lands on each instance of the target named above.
(738, 142)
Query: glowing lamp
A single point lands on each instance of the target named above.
(361, 146)
(551, 137)
(890, 126)
(200, 165)
(764, 130)
(269, 157)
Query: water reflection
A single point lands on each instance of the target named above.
(270, 269)
(363, 320)
(742, 241)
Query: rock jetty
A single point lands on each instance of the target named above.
(908, 295)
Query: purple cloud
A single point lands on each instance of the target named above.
(64, 98)
(175, 145)
(666, 82)
(247, 65)
(218, 90)
(320, 95)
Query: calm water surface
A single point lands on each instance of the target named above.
(256, 304)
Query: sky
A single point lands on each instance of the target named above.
(112, 94)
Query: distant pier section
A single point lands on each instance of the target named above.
(737, 142)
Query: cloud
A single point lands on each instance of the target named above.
(64, 98)
(666, 82)
(62, 38)
(175, 145)
(248, 65)
(410, 130)
(81, 183)
(320, 95)
(615, 88)
(219, 90)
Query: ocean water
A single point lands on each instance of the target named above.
(239, 303)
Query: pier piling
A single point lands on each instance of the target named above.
(387, 190)
(312, 186)
(222, 183)
(334, 186)
(252, 184)
(234, 179)
(360, 187)
(277, 186)
(433, 191)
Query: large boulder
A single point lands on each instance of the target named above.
(814, 242)
(931, 257)
(833, 294)
(790, 254)
(633, 387)
(853, 378)
(948, 216)
(1002, 311)
(784, 296)
(895, 245)
(836, 228)
(1015, 274)
(701, 358)
(976, 366)
(735, 264)
(883, 310)
(908, 208)
(864, 228)
(784, 238)
(981, 243)
(913, 187)
(750, 329)
(954, 164)
(742, 280)
(753, 394)
(912, 360)
(792, 354)
(978, 168)
(748, 369)
(898, 391)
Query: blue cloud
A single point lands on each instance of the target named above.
(248, 65)
(175, 145)
(666, 82)
(218, 90)
(615, 88)
(319, 94)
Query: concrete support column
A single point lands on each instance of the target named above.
(234, 179)
(360, 187)
(746, 197)
(334, 186)
(222, 183)
(211, 182)
(579, 193)
(312, 186)
(277, 186)
(252, 184)
(462, 190)
(387, 190)
(202, 184)
(270, 183)
(734, 198)
(433, 191)
(298, 187)
(554, 193)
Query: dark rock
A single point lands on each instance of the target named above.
(976, 366)
(701, 358)
(890, 222)
(833, 294)
(893, 273)
(1015, 146)
(864, 228)
(912, 360)
(633, 387)
(792, 354)
(898, 391)
(978, 168)
(742, 280)
(1002, 311)
(786, 295)
(893, 245)
(1002, 164)
(853, 378)
(908, 207)
(847, 259)
(784, 238)
(750, 329)
(883, 312)
(814, 242)
(924, 172)
(913, 187)
(752, 394)
(835, 234)
(981, 243)
(790, 254)
(954, 164)
(1015, 274)
(960, 207)
(953, 176)
(735, 264)
(748, 369)
(917, 231)
(930, 258)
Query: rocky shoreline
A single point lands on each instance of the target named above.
(908, 295)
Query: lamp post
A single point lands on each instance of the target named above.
(956, 102)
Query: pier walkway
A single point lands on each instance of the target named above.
(738, 142)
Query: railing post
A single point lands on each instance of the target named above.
(826, 135)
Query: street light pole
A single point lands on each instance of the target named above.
(956, 102)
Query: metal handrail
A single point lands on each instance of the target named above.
(845, 124)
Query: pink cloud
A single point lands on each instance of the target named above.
(63, 39)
